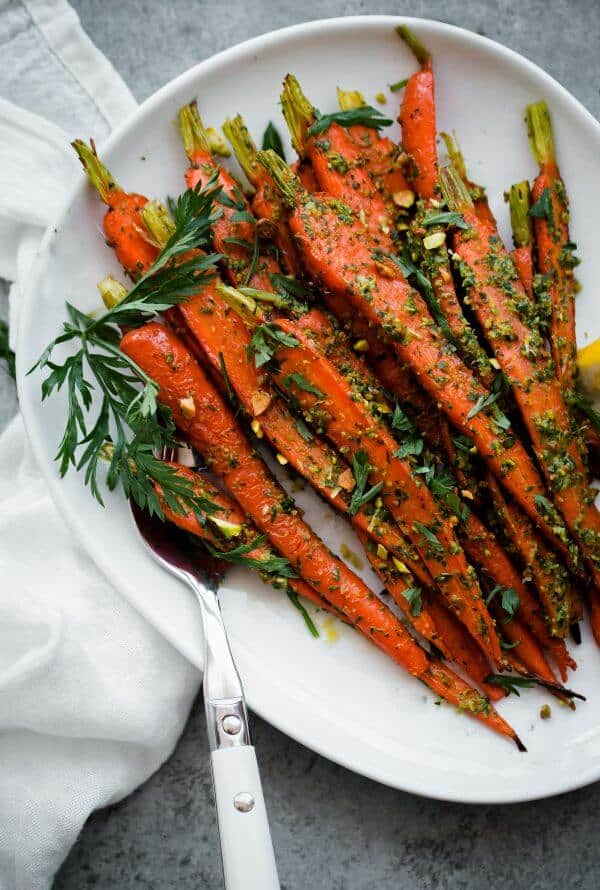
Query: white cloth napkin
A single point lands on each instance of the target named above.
(92, 699)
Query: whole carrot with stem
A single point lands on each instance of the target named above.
(502, 309)
(341, 257)
(211, 428)
(553, 246)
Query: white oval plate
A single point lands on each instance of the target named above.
(341, 698)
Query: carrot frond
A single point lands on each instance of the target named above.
(298, 112)
(282, 175)
(519, 200)
(244, 305)
(101, 178)
(454, 190)
(455, 154)
(420, 52)
(193, 134)
(349, 99)
(539, 128)
(243, 145)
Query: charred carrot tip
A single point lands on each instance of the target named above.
(243, 145)
(193, 135)
(101, 178)
(519, 199)
(454, 190)
(539, 128)
(284, 178)
(298, 112)
(420, 52)
(519, 744)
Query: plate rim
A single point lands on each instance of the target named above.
(28, 405)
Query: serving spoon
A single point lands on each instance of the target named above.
(246, 846)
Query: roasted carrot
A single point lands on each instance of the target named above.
(207, 423)
(503, 312)
(339, 255)
(483, 550)
(399, 584)
(266, 201)
(417, 118)
(328, 400)
(123, 224)
(519, 199)
(229, 528)
(549, 575)
(235, 236)
(554, 249)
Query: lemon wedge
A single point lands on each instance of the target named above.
(588, 361)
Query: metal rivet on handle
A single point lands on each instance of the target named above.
(231, 724)
(244, 802)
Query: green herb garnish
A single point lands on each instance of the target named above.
(364, 116)
(301, 382)
(266, 340)
(510, 600)
(445, 218)
(272, 140)
(360, 495)
(295, 600)
(413, 596)
(510, 684)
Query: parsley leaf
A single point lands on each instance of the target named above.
(360, 496)
(543, 209)
(414, 599)
(445, 218)
(272, 140)
(295, 600)
(429, 536)
(510, 684)
(412, 443)
(266, 340)
(301, 382)
(365, 116)
(510, 600)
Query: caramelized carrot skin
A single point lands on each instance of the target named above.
(214, 432)
(238, 257)
(230, 512)
(417, 119)
(349, 426)
(524, 359)
(551, 240)
(339, 256)
(523, 260)
(268, 205)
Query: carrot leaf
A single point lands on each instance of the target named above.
(272, 140)
(414, 599)
(266, 340)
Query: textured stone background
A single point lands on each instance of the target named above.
(332, 830)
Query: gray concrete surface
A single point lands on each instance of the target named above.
(332, 830)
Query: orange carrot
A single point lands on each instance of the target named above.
(417, 118)
(522, 354)
(462, 647)
(339, 254)
(554, 250)
(208, 424)
(234, 236)
(123, 224)
(238, 530)
(325, 396)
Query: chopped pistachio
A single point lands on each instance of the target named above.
(404, 198)
(256, 429)
(545, 712)
(381, 98)
(361, 346)
(281, 459)
(187, 407)
(435, 240)
(228, 529)
(260, 402)
(400, 566)
(382, 552)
